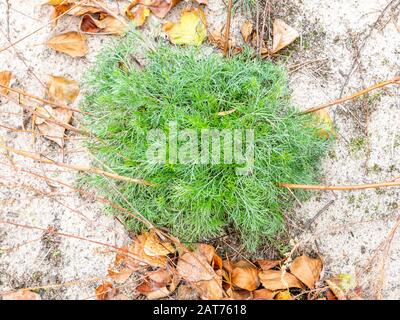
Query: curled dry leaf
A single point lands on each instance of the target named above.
(278, 280)
(190, 30)
(120, 276)
(246, 30)
(108, 25)
(343, 286)
(239, 294)
(72, 43)
(61, 91)
(263, 294)
(154, 247)
(206, 250)
(283, 35)
(307, 270)
(5, 78)
(245, 278)
(21, 295)
(138, 250)
(217, 38)
(105, 291)
(268, 264)
(161, 276)
(137, 13)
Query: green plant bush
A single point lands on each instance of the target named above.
(125, 100)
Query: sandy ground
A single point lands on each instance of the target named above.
(347, 233)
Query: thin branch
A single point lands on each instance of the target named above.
(395, 80)
(228, 28)
(74, 167)
(350, 187)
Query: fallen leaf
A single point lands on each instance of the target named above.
(186, 292)
(225, 113)
(5, 78)
(283, 35)
(217, 38)
(228, 266)
(278, 280)
(206, 250)
(217, 262)
(190, 30)
(239, 294)
(268, 264)
(108, 25)
(120, 276)
(210, 289)
(245, 278)
(21, 295)
(162, 277)
(51, 130)
(263, 294)
(246, 30)
(89, 8)
(205, 2)
(193, 267)
(284, 295)
(154, 247)
(58, 11)
(137, 13)
(325, 119)
(61, 90)
(72, 43)
(342, 286)
(137, 249)
(307, 270)
(105, 291)
(159, 7)
(158, 294)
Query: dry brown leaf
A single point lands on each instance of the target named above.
(51, 130)
(89, 8)
(186, 292)
(263, 294)
(5, 78)
(137, 249)
(205, 2)
(21, 295)
(343, 286)
(211, 289)
(108, 25)
(228, 266)
(246, 30)
(72, 43)
(193, 267)
(61, 90)
(154, 247)
(239, 294)
(162, 277)
(137, 13)
(120, 276)
(206, 250)
(158, 293)
(284, 295)
(105, 291)
(190, 30)
(268, 264)
(245, 278)
(58, 11)
(278, 280)
(160, 8)
(307, 270)
(217, 38)
(283, 35)
(217, 262)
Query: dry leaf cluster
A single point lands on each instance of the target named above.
(166, 268)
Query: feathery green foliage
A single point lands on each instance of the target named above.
(185, 85)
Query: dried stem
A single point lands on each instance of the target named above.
(228, 28)
(395, 80)
(350, 187)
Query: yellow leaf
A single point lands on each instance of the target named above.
(283, 35)
(72, 43)
(5, 78)
(284, 295)
(190, 30)
(328, 128)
